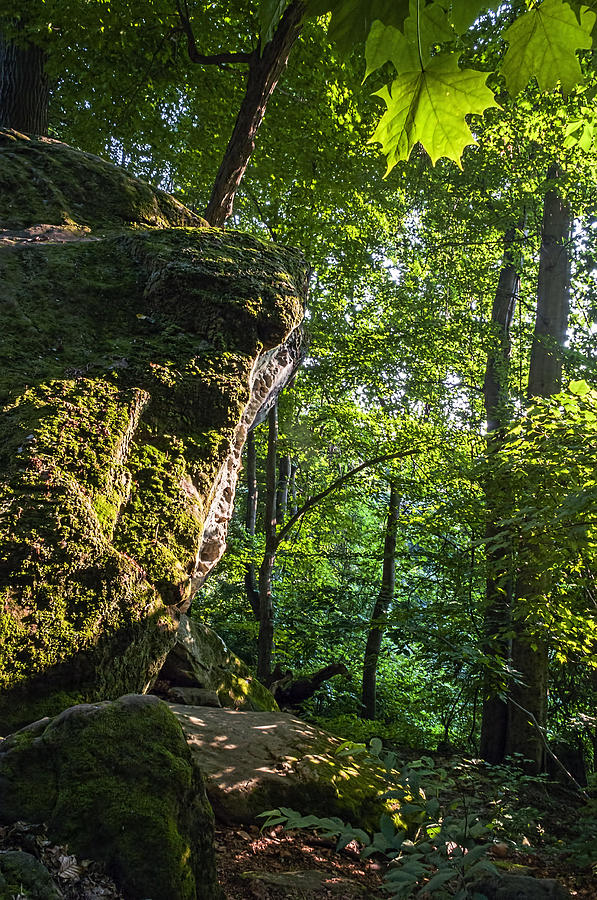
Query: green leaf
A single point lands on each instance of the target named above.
(351, 19)
(440, 879)
(429, 106)
(422, 31)
(269, 14)
(464, 13)
(543, 43)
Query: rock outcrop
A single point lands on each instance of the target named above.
(256, 761)
(117, 782)
(200, 670)
(133, 359)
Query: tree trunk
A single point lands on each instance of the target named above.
(498, 589)
(285, 469)
(380, 610)
(24, 91)
(266, 605)
(530, 651)
(251, 587)
(264, 73)
(293, 500)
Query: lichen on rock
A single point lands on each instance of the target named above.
(129, 365)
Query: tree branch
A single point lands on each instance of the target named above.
(558, 762)
(338, 482)
(217, 59)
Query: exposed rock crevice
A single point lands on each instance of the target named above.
(270, 375)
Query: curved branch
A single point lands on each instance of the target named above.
(216, 59)
(338, 482)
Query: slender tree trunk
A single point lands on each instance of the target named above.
(380, 610)
(530, 650)
(293, 500)
(24, 91)
(498, 590)
(284, 469)
(251, 587)
(266, 605)
(264, 73)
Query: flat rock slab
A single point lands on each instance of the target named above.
(300, 883)
(256, 761)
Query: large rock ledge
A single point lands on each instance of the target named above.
(133, 360)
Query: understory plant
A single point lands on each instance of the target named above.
(431, 845)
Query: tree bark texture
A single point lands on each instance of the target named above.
(498, 588)
(553, 297)
(266, 605)
(380, 610)
(292, 692)
(530, 651)
(264, 73)
(24, 91)
(251, 587)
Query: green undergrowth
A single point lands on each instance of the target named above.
(451, 814)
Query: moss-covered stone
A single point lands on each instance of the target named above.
(116, 781)
(125, 367)
(58, 185)
(200, 658)
(22, 875)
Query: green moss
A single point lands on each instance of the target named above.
(44, 181)
(117, 782)
(124, 369)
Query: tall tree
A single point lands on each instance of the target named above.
(382, 604)
(24, 88)
(496, 395)
(528, 706)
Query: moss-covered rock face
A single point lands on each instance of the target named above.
(43, 181)
(132, 362)
(116, 781)
(200, 658)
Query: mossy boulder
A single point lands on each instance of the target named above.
(201, 659)
(22, 875)
(133, 360)
(256, 761)
(43, 181)
(116, 782)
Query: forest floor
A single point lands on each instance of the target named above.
(277, 865)
(540, 829)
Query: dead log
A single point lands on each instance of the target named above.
(290, 692)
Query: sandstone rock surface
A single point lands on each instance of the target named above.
(136, 349)
(200, 661)
(256, 761)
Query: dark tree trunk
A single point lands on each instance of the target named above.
(24, 91)
(293, 501)
(530, 650)
(264, 73)
(266, 605)
(498, 590)
(380, 610)
(251, 587)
